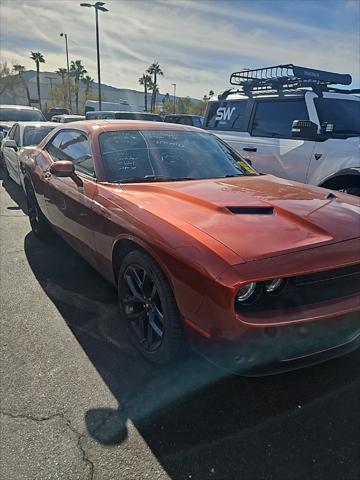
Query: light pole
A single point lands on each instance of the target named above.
(174, 85)
(98, 6)
(68, 69)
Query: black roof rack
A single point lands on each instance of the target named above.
(286, 77)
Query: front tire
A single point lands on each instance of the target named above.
(38, 222)
(148, 309)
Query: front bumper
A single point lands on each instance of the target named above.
(270, 350)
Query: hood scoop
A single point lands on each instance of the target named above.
(251, 210)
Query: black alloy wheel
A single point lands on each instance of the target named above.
(148, 308)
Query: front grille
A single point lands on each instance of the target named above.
(307, 290)
(313, 278)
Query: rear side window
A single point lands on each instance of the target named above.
(344, 115)
(227, 115)
(275, 118)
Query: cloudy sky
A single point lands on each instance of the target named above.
(197, 42)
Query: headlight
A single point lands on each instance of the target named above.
(245, 293)
(274, 286)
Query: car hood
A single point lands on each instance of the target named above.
(258, 216)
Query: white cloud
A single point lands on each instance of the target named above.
(197, 43)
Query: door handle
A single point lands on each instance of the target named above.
(250, 149)
(47, 174)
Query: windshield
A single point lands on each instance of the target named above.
(33, 135)
(343, 114)
(168, 155)
(19, 115)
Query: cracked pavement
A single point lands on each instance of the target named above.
(77, 402)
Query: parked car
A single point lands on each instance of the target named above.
(56, 111)
(256, 271)
(104, 115)
(121, 106)
(21, 136)
(67, 118)
(9, 114)
(290, 121)
(193, 120)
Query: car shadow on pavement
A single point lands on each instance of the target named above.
(15, 191)
(199, 421)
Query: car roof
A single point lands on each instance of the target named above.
(68, 115)
(37, 124)
(92, 126)
(20, 107)
(122, 111)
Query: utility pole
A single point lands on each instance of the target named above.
(68, 69)
(174, 85)
(98, 6)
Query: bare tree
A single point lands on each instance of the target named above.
(20, 69)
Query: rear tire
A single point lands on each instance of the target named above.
(38, 222)
(148, 309)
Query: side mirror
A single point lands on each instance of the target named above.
(304, 129)
(65, 168)
(10, 144)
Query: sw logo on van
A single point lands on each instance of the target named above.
(224, 113)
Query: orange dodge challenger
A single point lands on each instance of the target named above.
(259, 273)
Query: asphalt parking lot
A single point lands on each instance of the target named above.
(77, 402)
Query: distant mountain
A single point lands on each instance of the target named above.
(109, 93)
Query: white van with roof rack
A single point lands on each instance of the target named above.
(291, 122)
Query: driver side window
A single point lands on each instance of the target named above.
(73, 145)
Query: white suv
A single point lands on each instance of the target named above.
(290, 122)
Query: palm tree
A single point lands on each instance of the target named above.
(77, 70)
(20, 69)
(62, 73)
(38, 58)
(155, 90)
(88, 82)
(155, 71)
(145, 80)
